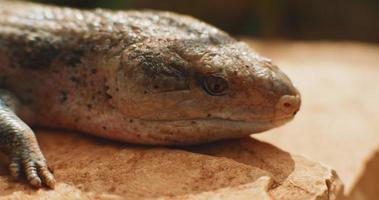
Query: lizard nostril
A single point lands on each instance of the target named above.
(288, 104)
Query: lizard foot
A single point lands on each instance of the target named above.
(18, 141)
(33, 167)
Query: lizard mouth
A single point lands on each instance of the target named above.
(190, 131)
(219, 119)
(199, 130)
(253, 126)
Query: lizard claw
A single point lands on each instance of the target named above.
(34, 169)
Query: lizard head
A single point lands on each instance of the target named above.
(197, 90)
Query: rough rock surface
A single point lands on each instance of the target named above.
(338, 124)
(93, 168)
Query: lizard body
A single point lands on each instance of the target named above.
(145, 77)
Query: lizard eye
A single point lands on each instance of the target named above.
(215, 85)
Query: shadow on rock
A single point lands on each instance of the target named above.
(278, 163)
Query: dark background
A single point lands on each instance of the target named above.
(294, 19)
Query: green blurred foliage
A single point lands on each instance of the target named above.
(299, 19)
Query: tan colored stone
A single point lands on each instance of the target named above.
(366, 187)
(296, 176)
(338, 123)
(256, 190)
(93, 168)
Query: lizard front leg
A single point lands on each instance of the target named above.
(18, 141)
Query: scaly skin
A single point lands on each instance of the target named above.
(138, 76)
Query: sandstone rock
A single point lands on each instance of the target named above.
(93, 168)
(338, 123)
(366, 187)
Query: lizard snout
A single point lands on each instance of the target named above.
(288, 105)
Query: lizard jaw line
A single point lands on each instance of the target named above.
(220, 119)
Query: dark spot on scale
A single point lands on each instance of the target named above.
(209, 115)
(131, 120)
(145, 92)
(93, 71)
(63, 96)
(89, 106)
(156, 87)
(72, 58)
(104, 128)
(75, 79)
(193, 122)
(214, 40)
(108, 96)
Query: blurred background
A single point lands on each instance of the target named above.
(294, 19)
